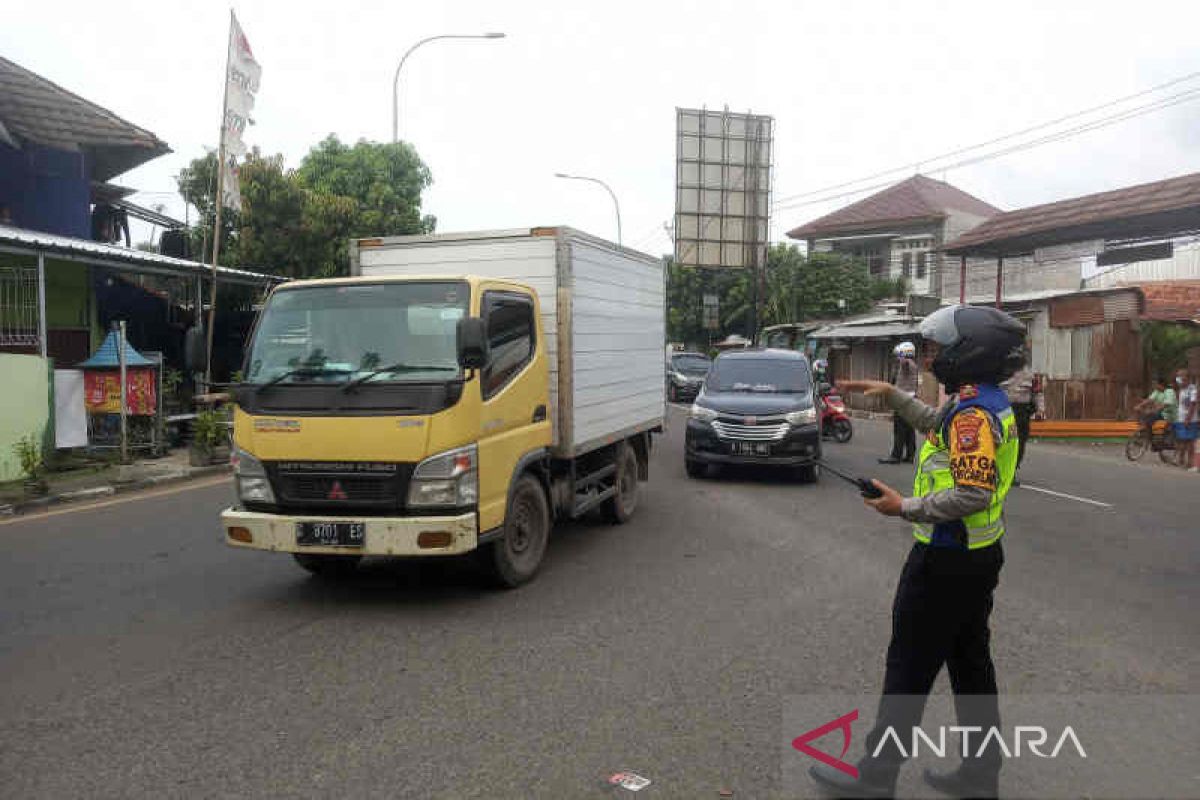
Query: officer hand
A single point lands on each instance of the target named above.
(870, 387)
(889, 503)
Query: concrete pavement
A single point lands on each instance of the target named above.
(139, 656)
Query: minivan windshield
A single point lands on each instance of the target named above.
(770, 375)
(691, 364)
(342, 332)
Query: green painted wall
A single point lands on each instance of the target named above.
(25, 406)
(67, 291)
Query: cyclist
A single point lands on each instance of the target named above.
(1160, 404)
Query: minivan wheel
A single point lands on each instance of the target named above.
(809, 473)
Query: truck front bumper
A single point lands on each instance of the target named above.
(386, 536)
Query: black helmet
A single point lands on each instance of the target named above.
(978, 344)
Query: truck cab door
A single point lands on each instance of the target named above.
(514, 392)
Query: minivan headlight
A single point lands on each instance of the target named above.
(805, 416)
(446, 480)
(253, 485)
(703, 414)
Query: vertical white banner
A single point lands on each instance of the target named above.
(242, 78)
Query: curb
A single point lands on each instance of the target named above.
(97, 492)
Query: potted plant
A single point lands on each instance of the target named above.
(208, 434)
(29, 454)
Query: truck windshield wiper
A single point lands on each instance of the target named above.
(394, 369)
(291, 373)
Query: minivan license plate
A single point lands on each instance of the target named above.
(751, 449)
(331, 534)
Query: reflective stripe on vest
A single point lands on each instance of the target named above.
(984, 527)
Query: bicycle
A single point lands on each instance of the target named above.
(1159, 438)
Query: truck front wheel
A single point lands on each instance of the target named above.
(327, 566)
(620, 507)
(514, 558)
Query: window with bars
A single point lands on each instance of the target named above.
(922, 264)
(19, 307)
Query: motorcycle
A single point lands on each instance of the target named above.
(835, 422)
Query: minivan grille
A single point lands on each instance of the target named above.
(772, 430)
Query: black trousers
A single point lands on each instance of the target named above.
(940, 616)
(1023, 413)
(904, 439)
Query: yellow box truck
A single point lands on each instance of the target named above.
(460, 392)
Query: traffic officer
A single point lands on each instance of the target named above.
(944, 598)
(904, 438)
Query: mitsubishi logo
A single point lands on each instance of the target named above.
(336, 492)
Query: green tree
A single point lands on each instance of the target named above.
(385, 180)
(299, 222)
(1166, 345)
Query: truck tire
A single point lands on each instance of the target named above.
(327, 566)
(621, 506)
(514, 558)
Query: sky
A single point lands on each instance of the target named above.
(591, 88)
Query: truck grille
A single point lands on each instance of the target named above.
(340, 485)
(769, 430)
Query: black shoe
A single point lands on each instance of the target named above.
(889, 460)
(842, 785)
(960, 784)
(1016, 482)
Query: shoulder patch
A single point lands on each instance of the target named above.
(967, 431)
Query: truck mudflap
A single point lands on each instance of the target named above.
(380, 536)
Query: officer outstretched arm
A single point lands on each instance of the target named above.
(972, 441)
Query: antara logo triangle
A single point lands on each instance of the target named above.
(801, 743)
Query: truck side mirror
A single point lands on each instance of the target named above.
(195, 349)
(472, 343)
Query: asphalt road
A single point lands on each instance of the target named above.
(141, 657)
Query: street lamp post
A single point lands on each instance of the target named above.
(607, 188)
(409, 52)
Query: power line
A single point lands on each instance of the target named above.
(1103, 122)
(781, 201)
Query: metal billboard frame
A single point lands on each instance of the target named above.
(723, 167)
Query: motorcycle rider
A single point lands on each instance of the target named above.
(944, 597)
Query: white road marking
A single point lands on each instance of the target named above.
(75, 508)
(1053, 493)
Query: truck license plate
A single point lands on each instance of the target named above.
(331, 534)
(751, 449)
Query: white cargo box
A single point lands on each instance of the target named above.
(603, 315)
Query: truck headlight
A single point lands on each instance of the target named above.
(703, 414)
(253, 486)
(805, 416)
(447, 480)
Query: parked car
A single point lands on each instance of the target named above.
(685, 375)
(756, 407)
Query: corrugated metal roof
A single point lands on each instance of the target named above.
(914, 199)
(50, 243)
(1149, 209)
(866, 331)
(34, 109)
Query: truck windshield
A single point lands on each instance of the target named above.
(340, 332)
(758, 375)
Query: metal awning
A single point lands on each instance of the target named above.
(26, 242)
(884, 331)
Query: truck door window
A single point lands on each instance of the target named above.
(510, 329)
